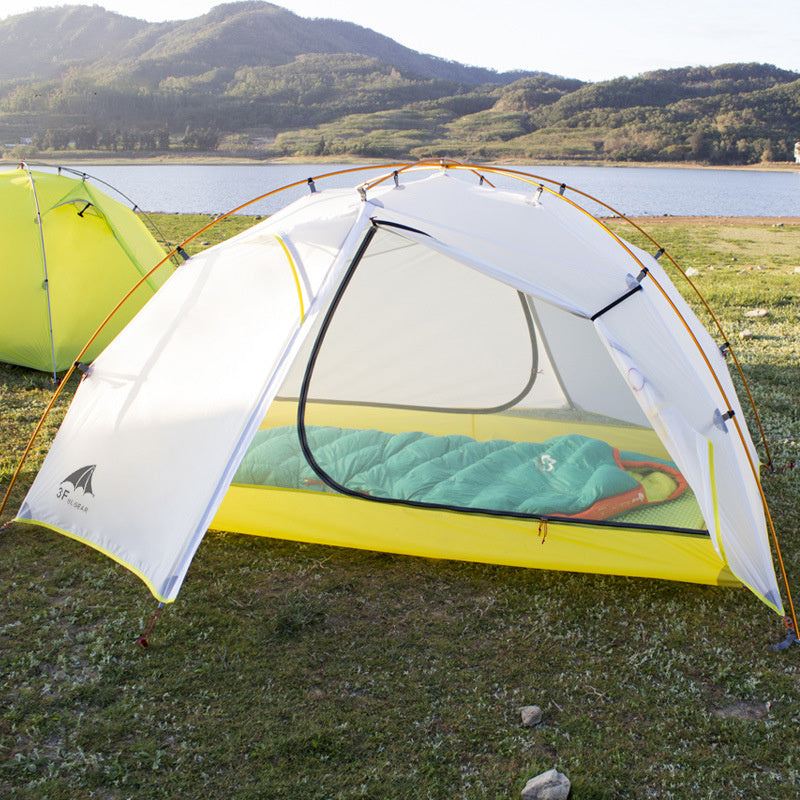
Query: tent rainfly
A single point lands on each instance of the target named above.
(71, 253)
(428, 365)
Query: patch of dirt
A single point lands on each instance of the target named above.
(742, 710)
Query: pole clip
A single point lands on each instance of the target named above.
(719, 419)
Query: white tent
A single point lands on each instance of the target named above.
(373, 327)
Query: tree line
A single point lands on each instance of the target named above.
(336, 105)
(124, 140)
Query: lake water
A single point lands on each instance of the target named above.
(634, 191)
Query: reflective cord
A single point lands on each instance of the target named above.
(142, 640)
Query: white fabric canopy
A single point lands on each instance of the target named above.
(166, 412)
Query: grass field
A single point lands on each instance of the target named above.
(311, 673)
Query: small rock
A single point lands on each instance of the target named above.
(797, 270)
(746, 334)
(757, 312)
(531, 716)
(692, 272)
(205, 244)
(550, 785)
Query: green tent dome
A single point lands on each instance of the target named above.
(70, 254)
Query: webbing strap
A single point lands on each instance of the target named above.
(625, 296)
(616, 302)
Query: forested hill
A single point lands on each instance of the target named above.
(256, 79)
(45, 42)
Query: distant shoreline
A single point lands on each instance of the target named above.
(212, 159)
(728, 222)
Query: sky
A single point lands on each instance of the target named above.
(592, 41)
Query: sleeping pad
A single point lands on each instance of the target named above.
(569, 475)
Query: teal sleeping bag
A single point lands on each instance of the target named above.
(569, 475)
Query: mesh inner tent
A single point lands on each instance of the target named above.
(429, 382)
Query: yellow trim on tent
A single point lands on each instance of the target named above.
(294, 273)
(332, 519)
(100, 549)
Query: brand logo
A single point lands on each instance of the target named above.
(546, 463)
(77, 485)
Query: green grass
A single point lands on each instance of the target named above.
(297, 671)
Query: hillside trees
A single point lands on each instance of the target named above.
(254, 73)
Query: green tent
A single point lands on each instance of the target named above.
(70, 254)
